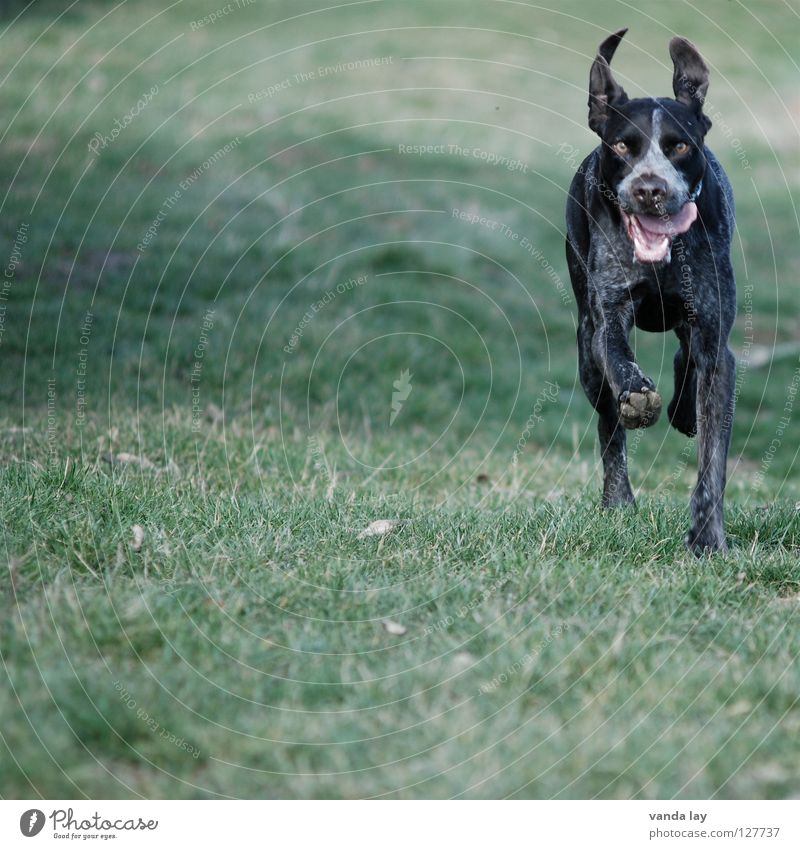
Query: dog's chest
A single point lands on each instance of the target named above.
(662, 295)
(660, 303)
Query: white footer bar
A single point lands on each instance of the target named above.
(402, 824)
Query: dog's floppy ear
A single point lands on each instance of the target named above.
(605, 93)
(690, 79)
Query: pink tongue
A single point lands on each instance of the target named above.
(670, 225)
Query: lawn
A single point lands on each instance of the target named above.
(278, 273)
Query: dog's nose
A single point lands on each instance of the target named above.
(650, 191)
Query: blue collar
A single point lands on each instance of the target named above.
(696, 193)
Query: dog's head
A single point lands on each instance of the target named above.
(652, 156)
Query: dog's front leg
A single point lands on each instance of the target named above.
(716, 375)
(639, 405)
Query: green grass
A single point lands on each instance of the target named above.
(237, 646)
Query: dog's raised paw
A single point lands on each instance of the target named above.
(639, 409)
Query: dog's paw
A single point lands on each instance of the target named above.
(639, 409)
(706, 541)
(617, 498)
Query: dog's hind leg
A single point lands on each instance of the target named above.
(616, 485)
(682, 409)
(716, 376)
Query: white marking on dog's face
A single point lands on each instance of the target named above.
(655, 163)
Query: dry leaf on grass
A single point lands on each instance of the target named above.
(124, 457)
(394, 628)
(462, 660)
(379, 528)
(138, 537)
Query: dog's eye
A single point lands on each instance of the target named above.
(620, 147)
(681, 148)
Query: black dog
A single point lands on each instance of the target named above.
(649, 225)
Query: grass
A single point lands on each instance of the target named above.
(193, 610)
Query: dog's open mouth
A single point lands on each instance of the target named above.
(652, 235)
